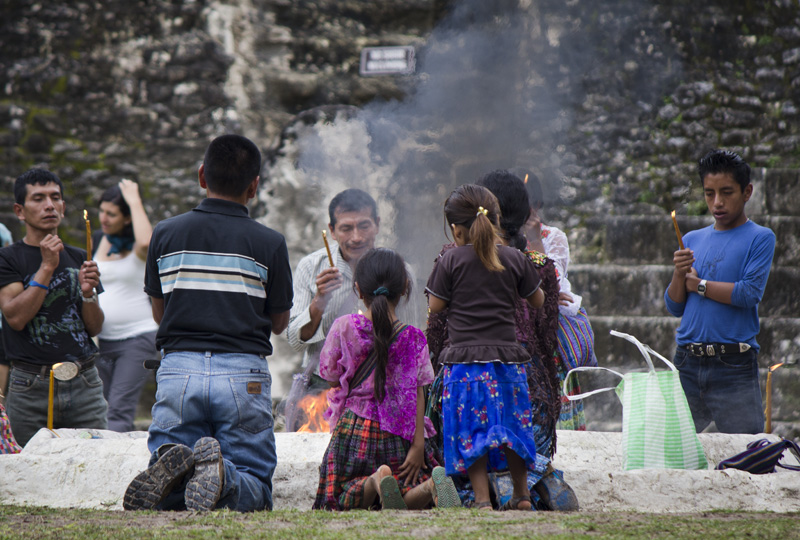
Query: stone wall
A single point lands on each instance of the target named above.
(618, 97)
(610, 102)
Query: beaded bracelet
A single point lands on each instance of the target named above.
(33, 283)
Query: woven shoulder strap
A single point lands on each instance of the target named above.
(368, 365)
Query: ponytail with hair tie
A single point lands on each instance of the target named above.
(381, 291)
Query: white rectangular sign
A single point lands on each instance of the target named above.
(387, 61)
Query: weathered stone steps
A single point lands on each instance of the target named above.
(651, 239)
(638, 290)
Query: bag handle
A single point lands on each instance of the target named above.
(591, 392)
(794, 449)
(645, 350)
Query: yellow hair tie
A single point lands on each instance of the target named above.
(482, 210)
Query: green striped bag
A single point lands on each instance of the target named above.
(657, 427)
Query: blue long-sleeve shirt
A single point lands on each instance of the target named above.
(741, 256)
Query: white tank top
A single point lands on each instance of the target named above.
(125, 305)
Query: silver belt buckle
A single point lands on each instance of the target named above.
(710, 350)
(65, 371)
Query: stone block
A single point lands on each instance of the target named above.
(650, 239)
(639, 289)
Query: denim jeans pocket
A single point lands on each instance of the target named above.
(680, 358)
(253, 397)
(20, 382)
(170, 394)
(743, 360)
(91, 378)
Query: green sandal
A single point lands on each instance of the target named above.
(444, 489)
(391, 498)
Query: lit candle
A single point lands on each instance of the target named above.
(677, 230)
(768, 411)
(526, 179)
(327, 247)
(50, 402)
(88, 236)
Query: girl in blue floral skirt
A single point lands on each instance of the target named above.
(486, 408)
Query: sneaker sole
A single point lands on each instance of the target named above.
(204, 489)
(391, 499)
(446, 494)
(152, 485)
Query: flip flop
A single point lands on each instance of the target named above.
(391, 498)
(444, 489)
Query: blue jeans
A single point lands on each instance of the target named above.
(77, 403)
(226, 396)
(723, 389)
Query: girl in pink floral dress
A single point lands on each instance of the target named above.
(377, 367)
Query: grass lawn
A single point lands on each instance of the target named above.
(457, 524)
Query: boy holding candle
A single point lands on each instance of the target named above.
(718, 281)
(48, 296)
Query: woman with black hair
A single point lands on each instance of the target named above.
(128, 335)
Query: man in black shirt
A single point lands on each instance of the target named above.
(220, 284)
(48, 296)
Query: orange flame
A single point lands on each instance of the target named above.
(776, 366)
(526, 179)
(314, 406)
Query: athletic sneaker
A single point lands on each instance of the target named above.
(152, 485)
(205, 486)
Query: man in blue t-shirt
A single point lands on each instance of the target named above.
(718, 281)
(220, 284)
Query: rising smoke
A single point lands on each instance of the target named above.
(497, 86)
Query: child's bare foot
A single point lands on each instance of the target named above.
(372, 486)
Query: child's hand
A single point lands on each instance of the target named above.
(411, 467)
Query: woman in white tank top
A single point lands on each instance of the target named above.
(128, 335)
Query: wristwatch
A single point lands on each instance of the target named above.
(701, 288)
(92, 299)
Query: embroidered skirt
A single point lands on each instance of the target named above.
(357, 448)
(486, 408)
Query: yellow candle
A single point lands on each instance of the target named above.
(677, 230)
(768, 428)
(327, 247)
(50, 402)
(88, 236)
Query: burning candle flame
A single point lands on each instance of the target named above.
(776, 366)
(526, 179)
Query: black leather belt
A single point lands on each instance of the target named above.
(714, 349)
(43, 371)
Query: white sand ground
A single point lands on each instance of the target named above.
(75, 471)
